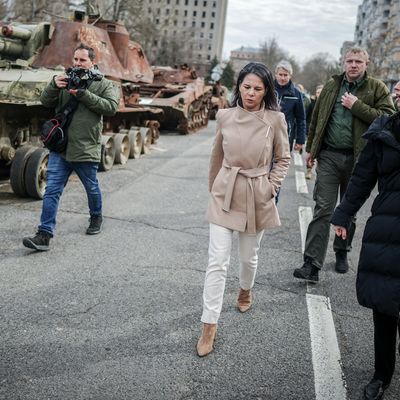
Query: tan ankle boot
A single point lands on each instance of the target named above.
(205, 345)
(244, 300)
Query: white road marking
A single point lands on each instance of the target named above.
(328, 375)
(305, 217)
(298, 159)
(301, 184)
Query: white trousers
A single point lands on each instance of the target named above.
(219, 254)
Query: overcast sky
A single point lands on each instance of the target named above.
(302, 27)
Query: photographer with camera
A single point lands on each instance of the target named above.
(95, 96)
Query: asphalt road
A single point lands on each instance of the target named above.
(117, 315)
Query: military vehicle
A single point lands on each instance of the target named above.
(219, 99)
(31, 54)
(183, 96)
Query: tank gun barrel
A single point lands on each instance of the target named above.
(11, 47)
(15, 32)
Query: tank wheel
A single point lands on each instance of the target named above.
(122, 148)
(17, 170)
(213, 113)
(155, 131)
(190, 120)
(146, 136)
(135, 142)
(107, 153)
(36, 173)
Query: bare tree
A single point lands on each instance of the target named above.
(318, 70)
(38, 10)
(271, 53)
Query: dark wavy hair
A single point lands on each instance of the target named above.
(261, 70)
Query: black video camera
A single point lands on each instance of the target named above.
(80, 78)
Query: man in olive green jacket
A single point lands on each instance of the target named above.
(83, 152)
(345, 108)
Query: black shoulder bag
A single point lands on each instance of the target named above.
(54, 132)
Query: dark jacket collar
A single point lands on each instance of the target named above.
(339, 78)
(380, 130)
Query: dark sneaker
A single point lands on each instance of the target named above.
(95, 225)
(307, 272)
(39, 242)
(375, 389)
(342, 265)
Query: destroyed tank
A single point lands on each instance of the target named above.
(30, 56)
(182, 95)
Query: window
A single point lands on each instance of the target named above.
(157, 21)
(176, 12)
(185, 13)
(167, 11)
(193, 24)
(155, 42)
(212, 25)
(175, 22)
(208, 57)
(195, 2)
(158, 11)
(200, 46)
(214, 4)
(204, 4)
(203, 24)
(184, 23)
(203, 15)
(168, 1)
(199, 56)
(201, 34)
(209, 47)
(177, 2)
(194, 13)
(210, 35)
(213, 14)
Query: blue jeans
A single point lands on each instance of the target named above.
(58, 172)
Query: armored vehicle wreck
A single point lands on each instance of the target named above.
(184, 98)
(30, 56)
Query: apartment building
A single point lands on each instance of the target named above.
(242, 56)
(199, 25)
(378, 30)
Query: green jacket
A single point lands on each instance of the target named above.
(374, 100)
(84, 132)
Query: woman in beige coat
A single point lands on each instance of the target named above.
(249, 160)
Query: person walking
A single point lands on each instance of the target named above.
(83, 150)
(347, 105)
(378, 276)
(249, 160)
(290, 100)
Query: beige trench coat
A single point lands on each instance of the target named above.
(243, 180)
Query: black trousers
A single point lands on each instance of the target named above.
(385, 334)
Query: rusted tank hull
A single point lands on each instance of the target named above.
(184, 98)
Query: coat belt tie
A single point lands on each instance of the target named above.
(250, 174)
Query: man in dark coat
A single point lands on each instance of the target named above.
(290, 99)
(378, 277)
(346, 107)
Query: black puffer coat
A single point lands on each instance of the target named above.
(378, 277)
